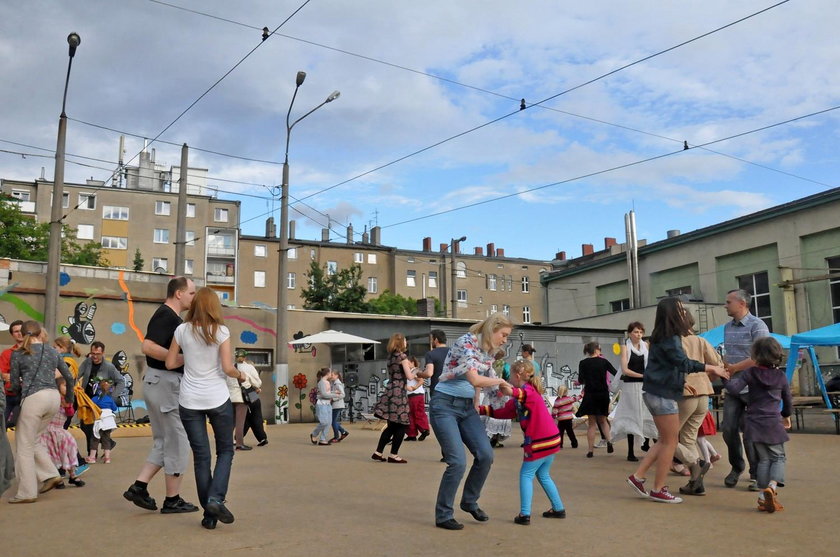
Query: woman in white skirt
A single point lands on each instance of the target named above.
(632, 418)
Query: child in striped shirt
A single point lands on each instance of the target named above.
(564, 412)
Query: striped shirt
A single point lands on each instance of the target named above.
(738, 336)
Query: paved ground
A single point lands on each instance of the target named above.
(295, 499)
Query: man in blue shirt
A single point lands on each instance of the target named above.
(738, 337)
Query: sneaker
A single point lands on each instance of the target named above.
(754, 486)
(344, 435)
(410, 439)
(693, 487)
(638, 485)
(450, 524)
(140, 497)
(244, 448)
(662, 496)
(178, 506)
(423, 435)
(217, 509)
(771, 504)
(731, 479)
(601, 444)
(263, 443)
(81, 469)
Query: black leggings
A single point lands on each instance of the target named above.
(394, 433)
(254, 421)
(565, 427)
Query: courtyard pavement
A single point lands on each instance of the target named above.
(294, 499)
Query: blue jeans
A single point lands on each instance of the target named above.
(456, 423)
(210, 485)
(771, 464)
(323, 412)
(336, 423)
(542, 469)
(734, 407)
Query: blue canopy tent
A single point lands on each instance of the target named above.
(715, 337)
(824, 336)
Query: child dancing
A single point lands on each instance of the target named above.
(564, 412)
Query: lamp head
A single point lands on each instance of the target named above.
(74, 40)
(301, 76)
(461, 239)
(334, 95)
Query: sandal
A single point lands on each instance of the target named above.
(313, 439)
(76, 481)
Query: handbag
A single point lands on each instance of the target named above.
(69, 411)
(250, 395)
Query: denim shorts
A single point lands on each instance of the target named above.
(660, 406)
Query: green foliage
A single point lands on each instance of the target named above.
(342, 291)
(389, 303)
(23, 238)
(138, 260)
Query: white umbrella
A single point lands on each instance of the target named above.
(333, 337)
(4, 326)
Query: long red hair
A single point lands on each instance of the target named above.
(205, 314)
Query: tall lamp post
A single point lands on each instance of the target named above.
(281, 367)
(51, 292)
(453, 247)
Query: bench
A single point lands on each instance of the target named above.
(835, 413)
(372, 422)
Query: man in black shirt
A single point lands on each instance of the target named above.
(435, 358)
(171, 449)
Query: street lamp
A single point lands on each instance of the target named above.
(453, 247)
(281, 367)
(51, 292)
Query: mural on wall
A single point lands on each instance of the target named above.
(303, 348)
(364, 397)
(299, 381)
(81, 327)
(130, 302)
(21, 305)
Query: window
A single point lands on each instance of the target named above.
(260, 358)
(160, 264)
(312, 254)
(87, 201)
(332, 268)
(411, 277)
(259, 279)
(410, 259)
(526, 287)
(834, 289)
(114, 242)
(291, 253)
(291, 281)
(506, 310)
(758, 285)
(620, 305)
(112, 212)
(494, 308)
(260, 250)
(161, 236)
(681, 291)
(372, 258)
(461, 269)
(190, 238)
(84, 232)
(526, 314)
(372, 286)
(509, 280)
(462, 298)
(65, 200)
(21, 195)
(432, 279)
(190, 210)
(188, 266)
(163, 208)
(358, 258)
(220, 215)
(491, 282)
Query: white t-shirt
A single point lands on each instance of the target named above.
(204, 385)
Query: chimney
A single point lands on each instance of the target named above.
(426, 307)
(427, 244)
(587, 249)
(291, 230)
(350, 233)
(444, 247)
(479, 250)
(673, 233)
(609, 242)
(500, 252)
(270, 229)
(365, 236)
(325, 234)
(375, 235)
(560, 256)
(491, 250)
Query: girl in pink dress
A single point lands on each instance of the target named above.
(60, 443)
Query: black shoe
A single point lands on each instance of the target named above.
(693, 488)
(263, 443)
(140, 497)
(209, 523)
(423, 435)
(476, 513)
(76, 481)
(410, 439)
(731, 479)
(610, 447)
(244, 448)
(574, 445)
(494, 442)
(450, 524)
(589, 454)
(217, 509)
(177, 506)
(632, 458)
(523, 520)
(555, 514)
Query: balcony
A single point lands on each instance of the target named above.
(221, 251)
(219, 279)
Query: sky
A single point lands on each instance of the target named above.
(427, 137)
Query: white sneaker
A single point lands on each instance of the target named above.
(601, 444)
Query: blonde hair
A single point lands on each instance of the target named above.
(489, 326)
(66, 344)
(562, 390)
(397, 343)
(205, 313)
(527, 367)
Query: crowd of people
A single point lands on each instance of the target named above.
(192, 377)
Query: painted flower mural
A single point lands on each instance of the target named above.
(299, 381)
(282, 403)
(283, 391)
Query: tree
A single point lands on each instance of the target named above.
(341, 291)
(23, 238)
(393, 304)
(138, 260)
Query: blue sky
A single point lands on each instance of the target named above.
(141, 63)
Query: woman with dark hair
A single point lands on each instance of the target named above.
(632, 418)
(592, 374)
(33, 368)
(663, 386)
(393, 404)
(204, 395)
(456, 422)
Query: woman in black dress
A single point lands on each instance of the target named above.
(393, 404)
(592, 374)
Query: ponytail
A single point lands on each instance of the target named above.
(30, 330)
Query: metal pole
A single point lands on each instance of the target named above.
(281, 367)
(181, 220)
(452, 287)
